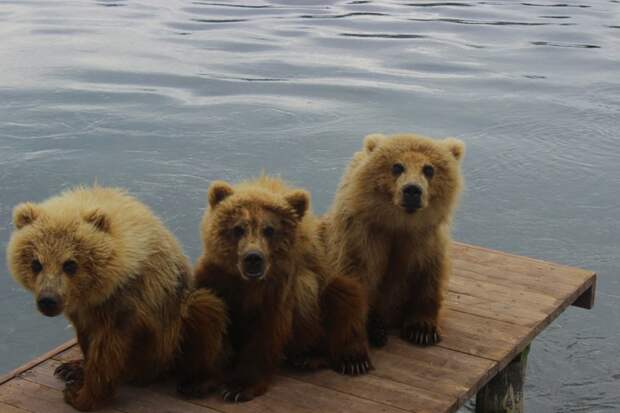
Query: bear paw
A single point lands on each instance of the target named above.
(376, 330)
(421, 333)
(355, 365)
(74, 395)
(72, 371)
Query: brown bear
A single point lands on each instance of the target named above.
(389, 228)
(108, 263)
(263, 258)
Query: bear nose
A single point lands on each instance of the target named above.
(412, 190)
(49, 304)
(253, 263)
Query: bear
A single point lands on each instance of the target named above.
(389, 228)
(262, 256)
(103, 258)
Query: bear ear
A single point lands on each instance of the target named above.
(25, 214)
(372, 141)
(98, 219)
(456, 147)
(300, 201)
(219, 191)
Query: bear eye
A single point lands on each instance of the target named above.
(70, 267)
(238, 231)
(397, 169)
(268, 232)
(428, 171)
(36, 266)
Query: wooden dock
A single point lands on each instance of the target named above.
(496, 305)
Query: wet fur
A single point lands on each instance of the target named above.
(131, 302)
(400, 259)
(296, 310)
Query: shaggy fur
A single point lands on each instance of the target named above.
(120, 277)
(293, 307)
(397, 251)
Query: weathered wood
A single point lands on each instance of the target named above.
(496, 305)
(504, 393)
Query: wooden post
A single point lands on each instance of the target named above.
(504, 393)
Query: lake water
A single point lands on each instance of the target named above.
(165, 96)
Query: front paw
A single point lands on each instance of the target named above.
(71, 371)
(422, 333)
(376, 330)
(235, 392)
(353, 364)
(75, 395)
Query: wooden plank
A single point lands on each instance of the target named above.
(289, 395)
(493, 309)
(479, 336)
(36, 361)
(498, 292)
(553, 288)
(34, 397)
(129, 399)
(435, 369)
(500, 261)
(374, 388)
(7, 408)
(71, 353)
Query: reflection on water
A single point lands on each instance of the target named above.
(164, 97)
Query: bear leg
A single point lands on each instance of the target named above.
(344, 308)
(421, 325)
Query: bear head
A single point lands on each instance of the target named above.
(251, 230)
(414, 178)
(63, 255)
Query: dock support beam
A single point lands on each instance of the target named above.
(504, 393)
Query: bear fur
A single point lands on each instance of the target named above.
(263, 258)
(108, 263)
(389, 228)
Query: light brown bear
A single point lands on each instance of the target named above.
(263, 258)
(389, 228)
(108, 263)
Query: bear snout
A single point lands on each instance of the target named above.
(49, 303)
(253, 264)
(412, 197)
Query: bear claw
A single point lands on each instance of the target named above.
(71, 371)
(354, 366)
(423, 334)
(236, 395)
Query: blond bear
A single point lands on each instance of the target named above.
(389, 228)
(108, 263)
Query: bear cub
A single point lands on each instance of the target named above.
(389, 228)
(263, 258)
(108, 263)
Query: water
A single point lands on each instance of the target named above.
(164, 96)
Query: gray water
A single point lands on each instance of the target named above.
(164, 96)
